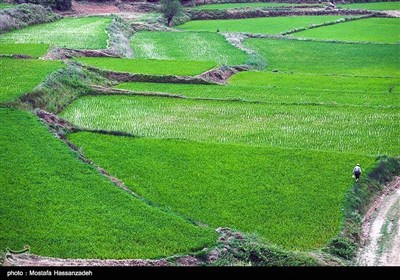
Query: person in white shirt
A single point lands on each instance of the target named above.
(357, 172)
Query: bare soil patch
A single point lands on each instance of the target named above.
(127, 10)
(92, 8)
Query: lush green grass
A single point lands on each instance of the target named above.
(151, 67)
(373, 6)
(328, 58)
(352, 129)
(77, 33)
(64, 208)
(381, 30)
(266, 25)
(186, 46)
(35, 50)
(288, 88)
(242, 5)
(19, 76)
(286, 196)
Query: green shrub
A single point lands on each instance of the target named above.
(248, 250)
(61, 87)
(119, 33)
(24, 15)
(170, 9)
(61, 5)
(342, 247)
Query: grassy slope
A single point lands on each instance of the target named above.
(372, 6)
(62, 207)
(266, 25)
(286, 196)
(241, 5)
(35, 50)
(186, 46)
(152, 67)
(78, 33)
(329, 58)
(19, 76)
(288, 88)
(352, 129)
(381, 30)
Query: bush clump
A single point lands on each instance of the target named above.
(24, 15)
(62, 87)
(342, 247)
(62, 5)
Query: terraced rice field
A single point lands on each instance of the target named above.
(151, 67)
(6, 6)
(267, 25)
(34, 50)
(21, 76)
(198, 46)
(378, 30)
(78, 33)
(284, 88)
(329, 58)
(269, 154)
(284, 196)
(62, 207)
(378, 6)
(338, 128)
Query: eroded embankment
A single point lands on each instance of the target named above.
(381, 230)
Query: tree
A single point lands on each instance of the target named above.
(170, 9)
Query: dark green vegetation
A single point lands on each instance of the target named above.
(381, 30)
(266, 25)
(62, 207)
(34, 50)
(372, 6)
(151, 67)
(61, 5)
(201, 46)
(78, 33)
(329, 58)
(243, 5)
(235, 185)
(343, 128)
(248, 250)
(19, 76)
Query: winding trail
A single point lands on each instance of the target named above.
(381, 230)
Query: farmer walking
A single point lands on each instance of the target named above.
(357, 172)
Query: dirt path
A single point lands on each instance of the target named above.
(381, 230)
(393, 13)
